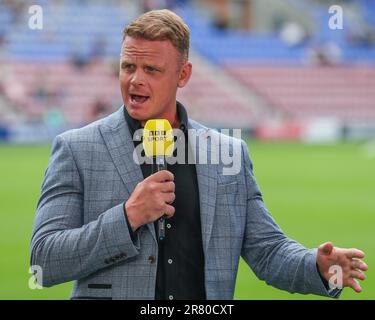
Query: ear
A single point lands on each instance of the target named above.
(185, 74)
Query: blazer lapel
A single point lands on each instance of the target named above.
(207, 182)
(119, 142)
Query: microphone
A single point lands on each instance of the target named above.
(158, 143)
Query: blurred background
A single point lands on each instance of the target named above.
(302, 93)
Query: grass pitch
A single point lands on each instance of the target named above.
(316, 193)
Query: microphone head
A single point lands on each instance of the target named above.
(158, 139)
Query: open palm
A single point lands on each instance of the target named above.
(346, 261)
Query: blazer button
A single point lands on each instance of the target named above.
(152, 259)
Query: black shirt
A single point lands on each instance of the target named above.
(180, 270)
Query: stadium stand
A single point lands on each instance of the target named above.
(68, 70)
(345, 93)
(58, 70)
(291, 79)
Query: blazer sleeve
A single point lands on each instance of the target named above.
(274, 258)
(62, 246)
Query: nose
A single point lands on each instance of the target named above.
(137, 78)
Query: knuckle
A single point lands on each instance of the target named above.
(152, 187)
(170, 175)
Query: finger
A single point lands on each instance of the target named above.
(357, 274)
(168, 186)
(358, 264)
(354, 253)
(352, 283)
(161, 176)
(326, 248)
(169, 210)
(169, 197)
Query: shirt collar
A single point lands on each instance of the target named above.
(134, 124)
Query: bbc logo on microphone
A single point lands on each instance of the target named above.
(157, 135)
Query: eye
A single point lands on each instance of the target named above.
(128, 67)
(151, 69)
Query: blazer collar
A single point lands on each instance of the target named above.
(119, 142)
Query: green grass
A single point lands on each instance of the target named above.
(316, 194)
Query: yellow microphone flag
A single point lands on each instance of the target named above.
(158, 139)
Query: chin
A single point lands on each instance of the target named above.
(137, 114)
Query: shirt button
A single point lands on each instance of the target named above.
(169, 226)
(170, 261)
(170, 297)
(152, 259)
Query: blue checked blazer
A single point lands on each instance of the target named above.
(80, 232)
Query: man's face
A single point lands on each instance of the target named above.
(150, 73)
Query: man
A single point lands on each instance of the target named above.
(96, 217)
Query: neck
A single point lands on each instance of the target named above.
(176, 123)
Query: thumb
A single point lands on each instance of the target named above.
(326, 248)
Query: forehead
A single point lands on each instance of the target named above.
(141, 48)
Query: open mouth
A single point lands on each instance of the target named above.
(138, 98)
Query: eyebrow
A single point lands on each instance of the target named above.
(159, 67)
(122, 62)
(153, 65)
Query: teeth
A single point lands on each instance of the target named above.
(139, 98)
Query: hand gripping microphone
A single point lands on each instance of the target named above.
(158, 143)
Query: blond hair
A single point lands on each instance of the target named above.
(159, 25)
